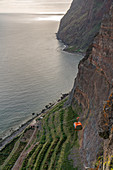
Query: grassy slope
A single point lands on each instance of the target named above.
(56, 139)
(6, 151)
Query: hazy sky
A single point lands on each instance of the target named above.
(34, 6)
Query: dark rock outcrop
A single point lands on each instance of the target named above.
(92, 88)
(82, 21)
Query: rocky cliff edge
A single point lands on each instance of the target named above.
(82, 21)
(93, 90)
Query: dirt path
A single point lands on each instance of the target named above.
(24, 153)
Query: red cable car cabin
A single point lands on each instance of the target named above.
(77, 125)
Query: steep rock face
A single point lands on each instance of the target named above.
(106, 132)
(92, 87)
(79, 26)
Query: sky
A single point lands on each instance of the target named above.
(34, 6)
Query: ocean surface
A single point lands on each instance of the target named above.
(34, 70)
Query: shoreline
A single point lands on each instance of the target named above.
(23, 126)
(72, 52)
(66, 48)
(16, 133)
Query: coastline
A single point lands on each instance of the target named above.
(66, 48)
(18, 131)
(14, 134)
(23, 126)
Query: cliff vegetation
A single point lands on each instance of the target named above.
(93, 90)
(50, 143)
(81, 23)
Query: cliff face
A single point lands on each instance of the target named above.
(79, 26)
(106, 132)
(92, 88)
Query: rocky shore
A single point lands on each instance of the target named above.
(17, 132)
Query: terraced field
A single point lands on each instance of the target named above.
(50, 147)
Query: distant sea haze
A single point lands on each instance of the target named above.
(34, 6)
(34, 70)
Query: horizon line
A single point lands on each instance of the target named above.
(40, 13)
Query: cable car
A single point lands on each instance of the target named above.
(77, 125)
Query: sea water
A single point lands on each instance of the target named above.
(34, 70)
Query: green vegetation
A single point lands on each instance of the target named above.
(56, 153)
(43, 138)
(74, 48)
(71, 117)
(25, 162)
(72, 138)
(53, 125)
(41, 155)
(67, 165)
(5, 152)
(15, 156)
(51, 150)
(57, 107)
(33, 157)
(55, 141)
